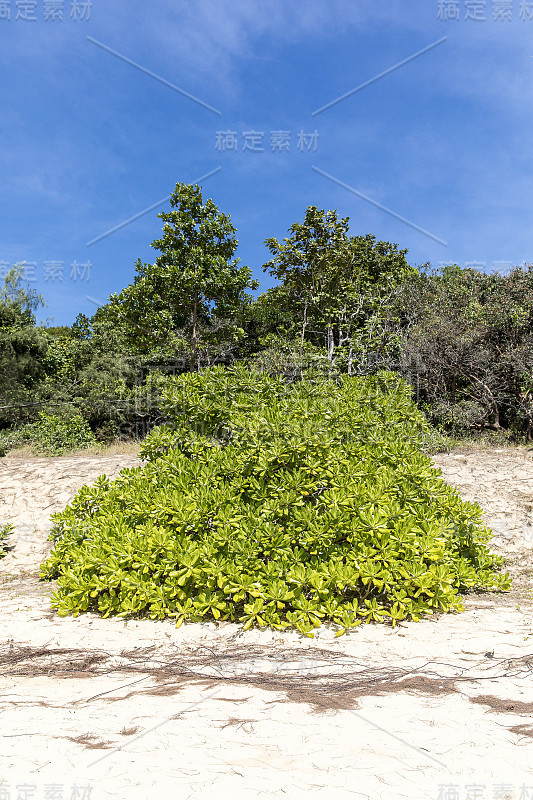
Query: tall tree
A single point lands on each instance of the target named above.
(23, 348)
(337, 285)
(192, 295)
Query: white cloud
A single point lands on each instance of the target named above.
(213, 37)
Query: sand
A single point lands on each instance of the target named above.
(441, 709)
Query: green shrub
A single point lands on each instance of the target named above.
(5, 532)
(12, 438)
(53, 435)
(461, 416)
(275, 506)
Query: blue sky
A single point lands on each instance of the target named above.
(89, 140)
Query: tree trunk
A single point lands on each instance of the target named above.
(192, 363)
(492, 400)
(331, 343)
(302, 340)
(350, 359)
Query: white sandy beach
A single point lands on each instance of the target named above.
(140, 709)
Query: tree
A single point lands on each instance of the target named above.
(23, 348)
(468, 347)
(15, 296)
(337, 286)
(93, 372)
(191, 296)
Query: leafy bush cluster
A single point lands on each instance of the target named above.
(12, 438)
(275, 506)
(5, 532)
(54, 435)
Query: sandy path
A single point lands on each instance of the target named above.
(139, 709)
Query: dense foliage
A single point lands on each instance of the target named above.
(23, 349)
(275, 506)
(53, 435)
(343, 304)
(468, 348)
(188, 302)
(5, 533)
(50, 435)
(333, 289)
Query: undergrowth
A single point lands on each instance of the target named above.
(50, 435)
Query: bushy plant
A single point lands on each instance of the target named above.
(54, 435)
(5, 532)
(13, 438)
(463, 415)
(275, 506)
(50, 435)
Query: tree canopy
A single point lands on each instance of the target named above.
(23, 347)
(193, 293)
(334, 284)
(343, 303)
